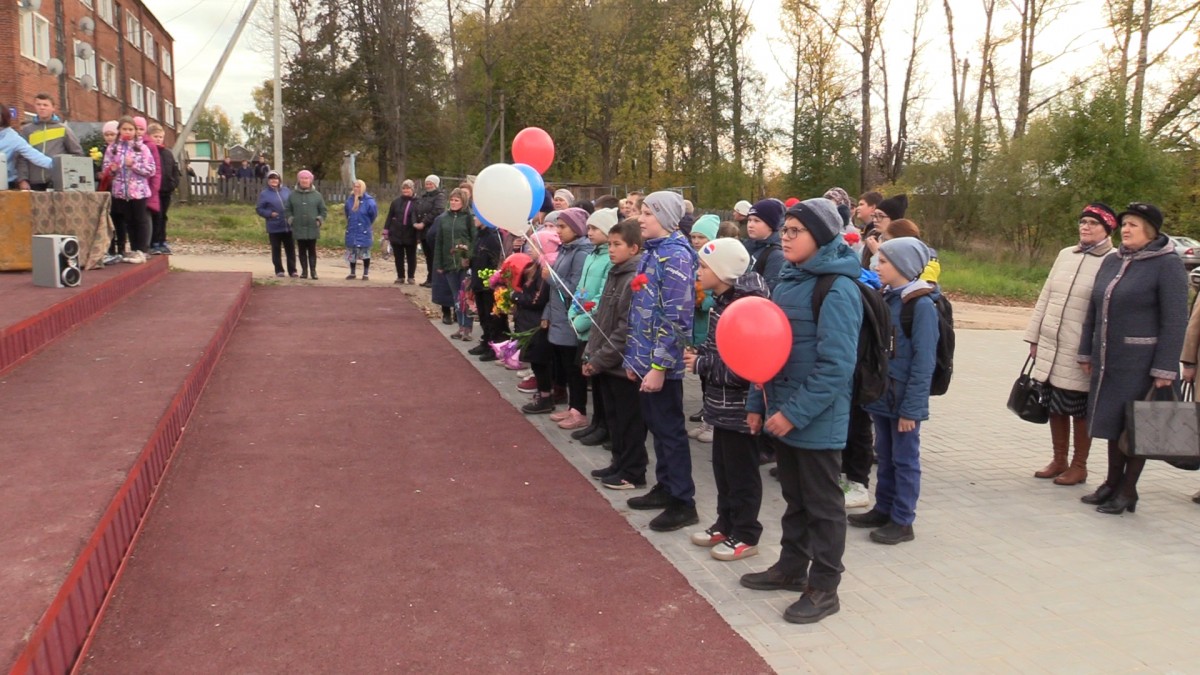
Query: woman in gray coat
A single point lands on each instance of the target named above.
(1132, 338)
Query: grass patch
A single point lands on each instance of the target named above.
(238, 224)
(992, 278)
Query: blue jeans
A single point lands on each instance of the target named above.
(898, 479)
(663, 412)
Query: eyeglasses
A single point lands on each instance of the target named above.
(1090, 222)
(791, 232)
(880, 215)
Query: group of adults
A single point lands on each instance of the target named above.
(1110, 327)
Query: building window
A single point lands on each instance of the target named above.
(86, 3)
(137, 95)
(106, 11)
(108, 79)
(133, 30)
(152, 103)
(167, 66)
(35, 37)
(148, 44)
(169, 114)
(84, 66)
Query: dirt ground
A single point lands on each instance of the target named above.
(332, 269)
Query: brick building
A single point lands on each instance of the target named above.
(117, 60)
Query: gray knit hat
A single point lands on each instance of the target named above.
(667, 207)
(908, 255)
(820, 217)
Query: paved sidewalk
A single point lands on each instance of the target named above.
(1008, 573)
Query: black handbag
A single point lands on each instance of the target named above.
(1028, 397)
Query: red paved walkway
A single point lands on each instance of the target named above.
(351, 496)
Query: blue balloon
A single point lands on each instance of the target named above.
(536, 184)
(475, 210)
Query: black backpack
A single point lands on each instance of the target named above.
(876, 339)
(943, 368)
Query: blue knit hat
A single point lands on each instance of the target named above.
(770, 211)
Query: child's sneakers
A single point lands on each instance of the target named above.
(707, 538)
(573, 420)
(732, 549)
(528, 385)
(613, 481)
(560, 416)
(856, 494)
(706, 433)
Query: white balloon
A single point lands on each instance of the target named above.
(502, 195)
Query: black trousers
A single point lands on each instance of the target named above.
(129, 220)
(308, 254)
(405, 253)
(623, 416)
(427, 250)
(860, 447)
(158, 219)
(284, 240)
(495, 328)
(814, 522)
(739, 485)
(599, 414)
(563, 361)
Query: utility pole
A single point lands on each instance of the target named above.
(181, 141)
(502, 127)
(277, 135)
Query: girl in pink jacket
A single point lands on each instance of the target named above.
(131, 165)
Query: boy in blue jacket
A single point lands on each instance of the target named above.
(660, 325)
(898, 415)
(804, 410)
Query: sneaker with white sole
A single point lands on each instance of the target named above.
(135, 258)
(560, 416)
(573, 420)
(695, 431)
(706, 433)
(732, 549)
(528, 385)
(856, 494)
(707, 538)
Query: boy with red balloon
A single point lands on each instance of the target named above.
(804, 410)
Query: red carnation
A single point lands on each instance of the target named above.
(589, 306)
(639, 282)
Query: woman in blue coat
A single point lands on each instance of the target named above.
(360, 220)
(272, 207)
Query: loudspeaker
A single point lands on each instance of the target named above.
(56, 261)
(71, 173)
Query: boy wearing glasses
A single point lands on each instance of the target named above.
(804, 411)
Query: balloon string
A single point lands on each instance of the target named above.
(558, 280)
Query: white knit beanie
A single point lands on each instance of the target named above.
(603, 220)
(437, 182)
(727, 258)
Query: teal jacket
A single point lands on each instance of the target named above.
(590, 289)
(813, 388)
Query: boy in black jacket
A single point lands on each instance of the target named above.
(735, 533)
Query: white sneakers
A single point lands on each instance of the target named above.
(702, 433)
(856, 494)
(134, 257)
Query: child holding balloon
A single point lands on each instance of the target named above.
(804, 409)
(735, 533)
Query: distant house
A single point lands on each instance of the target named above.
(238, 152)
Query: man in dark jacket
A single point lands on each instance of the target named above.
(430, 205)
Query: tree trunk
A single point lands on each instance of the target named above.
(864, 152)
(1139, 74)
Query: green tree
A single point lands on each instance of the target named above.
(256, 124)
(213, 124)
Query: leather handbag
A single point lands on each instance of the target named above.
(1028, 397)
(1167, 430)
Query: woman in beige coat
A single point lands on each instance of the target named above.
(1054, 334)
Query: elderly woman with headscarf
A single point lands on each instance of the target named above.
(1054, 333)
(360, 234)
(1132, 338)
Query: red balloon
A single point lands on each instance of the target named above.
(792, 201)
(754, 338)
(533, 146)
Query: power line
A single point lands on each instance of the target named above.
(220, 27)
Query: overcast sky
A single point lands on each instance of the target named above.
(202, 28)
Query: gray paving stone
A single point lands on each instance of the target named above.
(1008, 573)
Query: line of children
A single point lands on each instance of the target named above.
(605, 363)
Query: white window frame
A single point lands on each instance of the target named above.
(133, 30)
(137, 95)
(107, 12)
(108, 79)
(152, 103)
(35, 37)
(168, 66)
(84, 66)
(148, 44)
(168, 114)
(86, 3)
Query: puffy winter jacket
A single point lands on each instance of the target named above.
(590, 289)
(360, 224)
(129, 182)
(306, 212)
(568, 266)
(51, 138)
(724, 392)
(770, 247)
(452, 228)
(611, 317)
(274, 201)
(910, 370)
(813, 388)
(153, 202)
(660, 316)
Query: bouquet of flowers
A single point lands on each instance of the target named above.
(486, 276)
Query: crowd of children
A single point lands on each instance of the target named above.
(616, 295)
